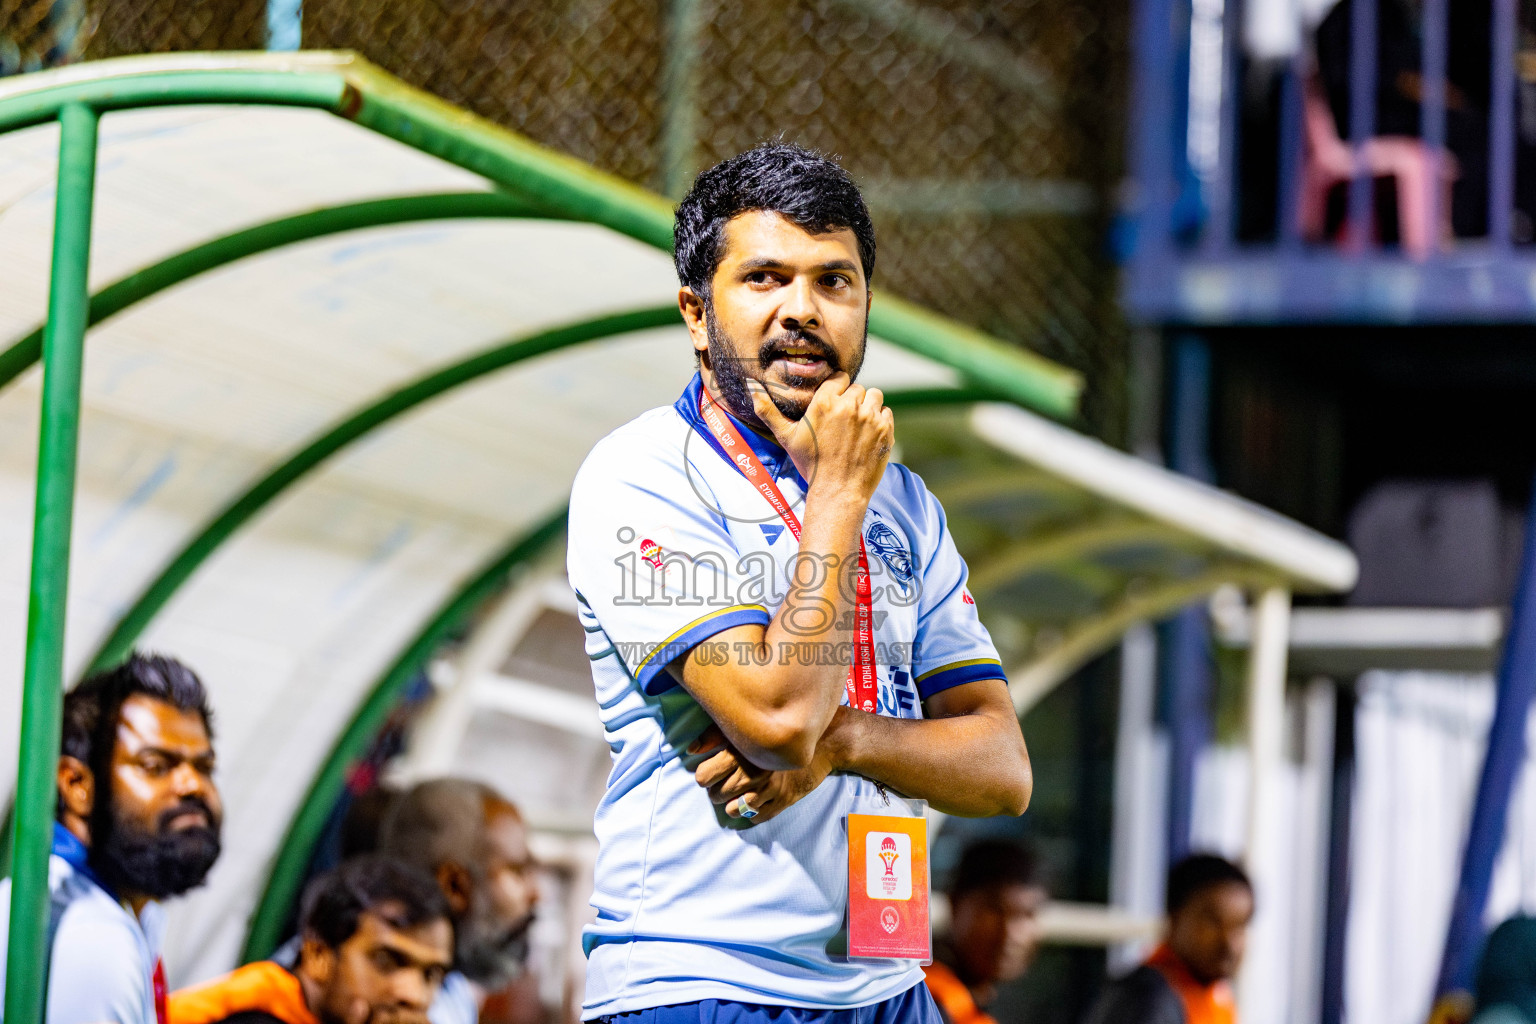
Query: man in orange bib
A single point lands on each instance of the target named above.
(376, 944)
(995, 899)
(1187, 979)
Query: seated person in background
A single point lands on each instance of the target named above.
(473, 841)
(138, 821)
(994, 901)
(1185, 980)
(1506, 979)
(375, 944)
(364, 820)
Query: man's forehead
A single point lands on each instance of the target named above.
(764, 234)
(1024, 898)
(145, 721)
(1223, 898)
(506, 832)
(427, 944)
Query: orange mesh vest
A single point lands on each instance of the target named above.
(262, 986)
(1203, 1004)
(952, 996)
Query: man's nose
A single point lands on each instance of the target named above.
(800, 308)
(188, 780)
(413, 991)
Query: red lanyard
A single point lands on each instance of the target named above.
(861, 673)
(159, 980)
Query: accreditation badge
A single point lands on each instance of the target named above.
(888, 888)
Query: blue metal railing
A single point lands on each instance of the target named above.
(1187, 262)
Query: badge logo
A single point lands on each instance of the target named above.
(888, 869)
(771, 532)
(650, 552)
(888, 546)
(745, 462)
(889, 920)
(889, 855)
(965, 595)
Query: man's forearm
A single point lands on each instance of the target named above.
(819, 603)
(973, 765)
(775, 709)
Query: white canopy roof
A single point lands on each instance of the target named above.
(316, 273)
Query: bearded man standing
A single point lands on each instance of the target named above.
(138, 822)
(780, 634)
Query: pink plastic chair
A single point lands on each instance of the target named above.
(1331, 162)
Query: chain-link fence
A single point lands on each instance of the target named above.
(987, 133)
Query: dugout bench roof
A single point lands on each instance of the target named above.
(349, 345)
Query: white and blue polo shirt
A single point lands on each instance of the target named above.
(669, 545)
(102, 957)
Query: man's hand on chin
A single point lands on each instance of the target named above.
(745, 790)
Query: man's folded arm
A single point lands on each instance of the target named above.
(966, 758)
(773, 713)
(775, 710)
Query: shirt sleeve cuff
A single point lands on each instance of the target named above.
(958, 673)
(649, 672)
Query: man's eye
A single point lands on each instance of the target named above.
(387, 961)
(435, 976)
(155, 766)
(835, 281)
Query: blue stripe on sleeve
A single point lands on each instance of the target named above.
(941, 679)
(690, 637)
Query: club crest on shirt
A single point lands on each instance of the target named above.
(888, 546)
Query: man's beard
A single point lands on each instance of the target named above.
(731, 375)
(156, 864)
(486, 953)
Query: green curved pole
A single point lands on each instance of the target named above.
(183, 266)
(299, 842)
(298, 845)
(922, 398)
(561, 185)
(118, 645)
(178, 87)
(43, 687)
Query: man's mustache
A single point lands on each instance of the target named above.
(777, 347)
(190, 805)
(519, 931)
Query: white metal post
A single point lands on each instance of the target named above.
(1263, 975)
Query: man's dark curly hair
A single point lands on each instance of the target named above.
(803, 186)
(1199, 872)
(987, 863)
(401, 895)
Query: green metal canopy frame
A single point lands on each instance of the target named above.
(528, 181)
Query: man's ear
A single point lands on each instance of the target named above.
(458, 888)
(692, 307)
(77, 787)
(317, 961)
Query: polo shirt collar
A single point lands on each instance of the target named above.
(773, 457)
(68, 848)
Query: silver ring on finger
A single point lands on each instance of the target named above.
(745, 809)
